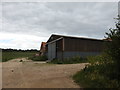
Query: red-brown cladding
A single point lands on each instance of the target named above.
(83, 45)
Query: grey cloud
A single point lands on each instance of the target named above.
(43, 19)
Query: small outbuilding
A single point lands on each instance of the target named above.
(60, 47)
(42, 49)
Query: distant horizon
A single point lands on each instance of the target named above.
(18, 49)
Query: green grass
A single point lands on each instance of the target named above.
(73, 60)
(15, 54)
(93, 78)
(98, 75)
(38, 58)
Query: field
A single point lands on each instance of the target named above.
(15, 54)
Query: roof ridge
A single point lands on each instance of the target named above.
(75, 37)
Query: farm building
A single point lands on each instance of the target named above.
(42, 48)
(60, 47)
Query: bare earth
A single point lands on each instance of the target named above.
(30, 74)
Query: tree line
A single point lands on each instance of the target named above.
(19, 50)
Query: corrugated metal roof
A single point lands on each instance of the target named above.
(55, 35)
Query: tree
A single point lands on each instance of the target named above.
(113, 47)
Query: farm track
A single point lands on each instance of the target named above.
(30, 74)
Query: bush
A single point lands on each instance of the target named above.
(99, 59)
(100, 73)
(73, 60)
(104, 71)
(38, 58)
(96, 76)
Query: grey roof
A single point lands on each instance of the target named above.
(76, 37)
(64, 36)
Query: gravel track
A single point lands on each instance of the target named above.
(30, 74)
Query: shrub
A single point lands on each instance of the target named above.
(104, 71)
(100, 73)
(96, 76)
(99, 59)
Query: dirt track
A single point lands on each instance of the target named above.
(30, 74)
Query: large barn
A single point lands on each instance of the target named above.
(60, 47)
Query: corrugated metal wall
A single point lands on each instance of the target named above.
(51, 51)
(59, 45)
(59, 50)
(63, 55)
(74, 47)
(82, 45)
(60, 55)
(81, 54)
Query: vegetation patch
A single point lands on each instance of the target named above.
(103, 71)
(100, 73)
(73, 60)
(97, 76)
(38, 58)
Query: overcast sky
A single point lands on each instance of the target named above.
(26, 25)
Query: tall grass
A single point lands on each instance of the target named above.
(99, 74)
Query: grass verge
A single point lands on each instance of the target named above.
(38, 58)
(73, 60)
(98, 75)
